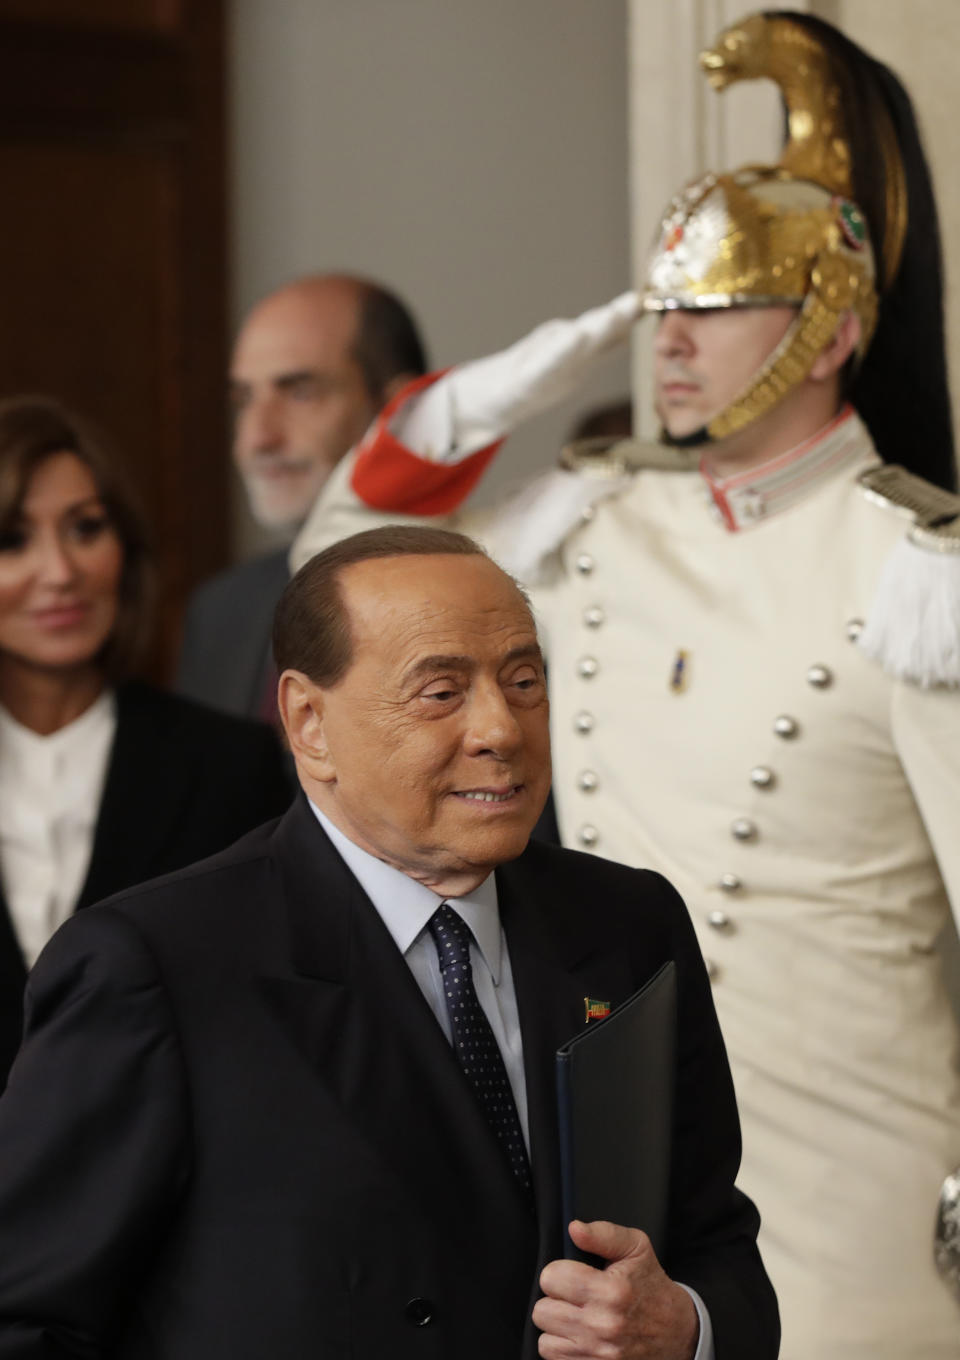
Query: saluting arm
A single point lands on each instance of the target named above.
(431, 444)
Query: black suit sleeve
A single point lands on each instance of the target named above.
(190, 674)
(226, 640)
(94, 1144)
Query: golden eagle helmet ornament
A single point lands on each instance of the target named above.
(782, 235)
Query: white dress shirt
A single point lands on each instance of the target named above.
(50, 792)
(405, 906)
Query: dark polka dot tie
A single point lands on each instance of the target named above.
(477, 1050)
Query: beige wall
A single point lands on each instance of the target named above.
(472, 155)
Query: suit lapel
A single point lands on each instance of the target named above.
(358, 1016)
(141, 797)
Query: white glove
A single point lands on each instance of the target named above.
(483, 400)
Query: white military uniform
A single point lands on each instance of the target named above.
(714, 719)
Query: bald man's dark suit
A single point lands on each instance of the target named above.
(236, 1129)
(225, 658)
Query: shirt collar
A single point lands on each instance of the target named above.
(405, 906)
(749, 497)
(72, 745)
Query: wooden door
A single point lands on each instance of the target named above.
(112, 249)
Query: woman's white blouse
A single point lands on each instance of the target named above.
(50, 792)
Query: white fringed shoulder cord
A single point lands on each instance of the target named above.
(913, 630)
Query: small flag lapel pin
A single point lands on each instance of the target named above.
(680, 671)
(596, 1010)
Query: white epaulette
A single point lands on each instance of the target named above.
(530, 525)
(913, 630)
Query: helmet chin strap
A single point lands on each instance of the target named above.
(833, 291)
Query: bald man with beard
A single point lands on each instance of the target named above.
(313, 363)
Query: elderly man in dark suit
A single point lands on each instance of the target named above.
(297, 1101)
(313, 363)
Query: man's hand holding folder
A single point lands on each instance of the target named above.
(611, 1299)
(630, 1310)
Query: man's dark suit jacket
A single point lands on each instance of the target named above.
(225, 660)
(182, 782)
(236, 1130)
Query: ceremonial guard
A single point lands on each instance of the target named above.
(754, 650)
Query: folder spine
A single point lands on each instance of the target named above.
(567, 1174)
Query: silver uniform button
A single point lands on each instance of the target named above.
(762, 777)
(584, 721)
(712, 969)
(853, 629)
(587, 667)
(820, 677)
(742, 829)
(785, 726)
(593, 616)
(719, 920)
(589, 835)
(587, 514)
(587, 781)
(584, 564)
(730, 883)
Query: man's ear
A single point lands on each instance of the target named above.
(302, 711)
(833, 356)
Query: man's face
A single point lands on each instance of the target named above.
(299, 398)
(703, 359)
(437, 736)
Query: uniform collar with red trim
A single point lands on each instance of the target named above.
(748, 498)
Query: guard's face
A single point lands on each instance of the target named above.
(705, 358)
(437, 737)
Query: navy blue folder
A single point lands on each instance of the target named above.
(615, 1083)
